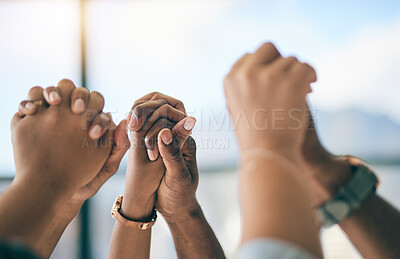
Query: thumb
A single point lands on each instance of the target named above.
(170, 144)
(121, 145)
(182, 130)
(171, 154)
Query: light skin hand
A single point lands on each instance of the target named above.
(248, 108)
(259, 86)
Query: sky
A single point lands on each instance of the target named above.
(184, 49)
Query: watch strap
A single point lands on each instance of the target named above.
(116, 214)
(350, 196)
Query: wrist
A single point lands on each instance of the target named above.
(45, 188)
(192, 212)
(336, 173)
(290, 157)
(137, 208)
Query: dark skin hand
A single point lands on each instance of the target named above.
(374, 228)
(144, 174)
(176, 199)
(150, 179)
(43, 187)
(79, 100)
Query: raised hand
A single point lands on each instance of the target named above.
(54, 148)
(145, 169)
(265, 95)
(79, 100)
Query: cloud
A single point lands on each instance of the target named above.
(363, 73)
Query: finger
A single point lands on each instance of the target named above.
(240, 62)
(303, 73)
(121, 145)
(95, 106)
(26, 108)
(79, 100)
(165, 111)
(151, 137)
(264, 55)
(140, 113)
(52, 95)
(66, 86)
(35, 95)
(15, 120)
(183, 129)
(189, 155)
(172, 157)
(100, 125)
(156, 96)
(283, 64)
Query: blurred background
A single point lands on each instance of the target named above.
(126, 49)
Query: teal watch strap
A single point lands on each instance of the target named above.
(350, 196)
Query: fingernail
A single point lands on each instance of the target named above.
(79, 106)
(95, 132)
(189, 124)
(54, 97)
(133, 122)
(29, 106)
(151, 154)
(166, 137)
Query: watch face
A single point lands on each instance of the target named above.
(338, 209)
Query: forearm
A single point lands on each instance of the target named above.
(127, 242)
(193, 236)
(374, 229)
(55, 229)
(275, 204)
(26, 209)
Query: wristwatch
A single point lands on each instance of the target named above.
(351, 195)
(115, 213)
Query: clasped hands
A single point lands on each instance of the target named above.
(67, 146)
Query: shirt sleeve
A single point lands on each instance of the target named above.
(267, 248)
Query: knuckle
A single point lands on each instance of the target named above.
(269, 46)
(179, 103)
(292, 59)
(164, 108)
(35, 89)
(154, 93)
(82, 91)
(137, 110)
(65, 81)
(98, 95)
(138, 102)
(228, 80)
(245, 76)
(156, 96)
(50, 88)
(150, 140)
